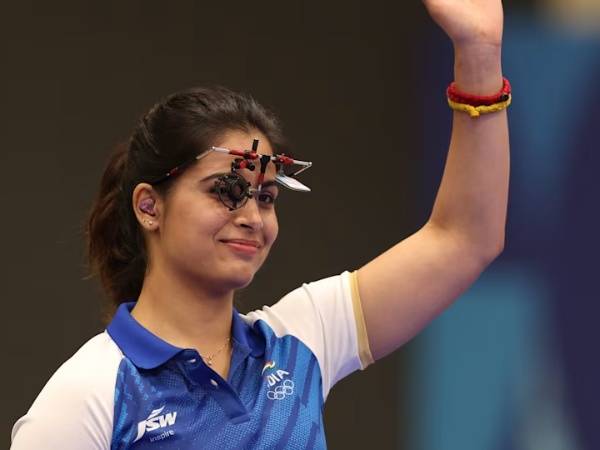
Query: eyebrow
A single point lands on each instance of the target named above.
(214, 175)
(265, 184)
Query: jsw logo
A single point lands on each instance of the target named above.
(154, 422)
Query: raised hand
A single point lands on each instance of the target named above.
(469, 23)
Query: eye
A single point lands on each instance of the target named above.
(266, 198)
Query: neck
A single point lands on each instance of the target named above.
(183, 312)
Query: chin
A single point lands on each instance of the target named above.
(240, 280)
(236, 284)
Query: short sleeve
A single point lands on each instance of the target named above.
(325, 315)
(74, 410)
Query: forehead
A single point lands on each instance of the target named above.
(236, 140)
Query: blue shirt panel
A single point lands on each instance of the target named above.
(168, 398)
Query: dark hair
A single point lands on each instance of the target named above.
(172, 132)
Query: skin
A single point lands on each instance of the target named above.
(187, 295)
(406, 287)
(188, 292)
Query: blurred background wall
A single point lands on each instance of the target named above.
(76, 76)
(510, 366)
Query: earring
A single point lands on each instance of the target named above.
(149, 222)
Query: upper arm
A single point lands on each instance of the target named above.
(403, 289)
(74, 410)
(64, 417)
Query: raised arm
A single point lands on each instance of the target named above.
(403, 289)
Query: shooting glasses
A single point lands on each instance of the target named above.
(233, 189)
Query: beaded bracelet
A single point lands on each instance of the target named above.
(479, 104)
(476, 111)
(477, 100)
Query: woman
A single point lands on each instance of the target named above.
(181, 223)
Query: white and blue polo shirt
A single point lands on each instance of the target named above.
(128, 389)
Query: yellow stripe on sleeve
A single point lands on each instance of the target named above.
(364, 351)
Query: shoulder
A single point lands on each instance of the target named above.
(75, 407)
(306, 306)
(89, 370)
(325, 308)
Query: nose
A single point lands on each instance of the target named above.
(249, 216)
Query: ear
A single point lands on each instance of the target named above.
(146, 206)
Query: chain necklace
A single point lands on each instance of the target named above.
(209, 359)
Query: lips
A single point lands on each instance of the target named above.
(245, 242)
(242, 247)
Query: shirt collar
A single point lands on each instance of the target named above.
(148, 351)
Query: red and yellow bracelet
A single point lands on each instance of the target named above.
(475, 105)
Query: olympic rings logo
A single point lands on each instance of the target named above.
(281, 391)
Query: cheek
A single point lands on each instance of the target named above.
(207, 224)
(272, 228)
(197, 219)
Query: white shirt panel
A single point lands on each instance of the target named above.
(74, 411)
(320, 315)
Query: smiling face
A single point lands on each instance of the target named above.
(199, 238)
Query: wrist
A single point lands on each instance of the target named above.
(478, 69)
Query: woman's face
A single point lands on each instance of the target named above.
(200, 238)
